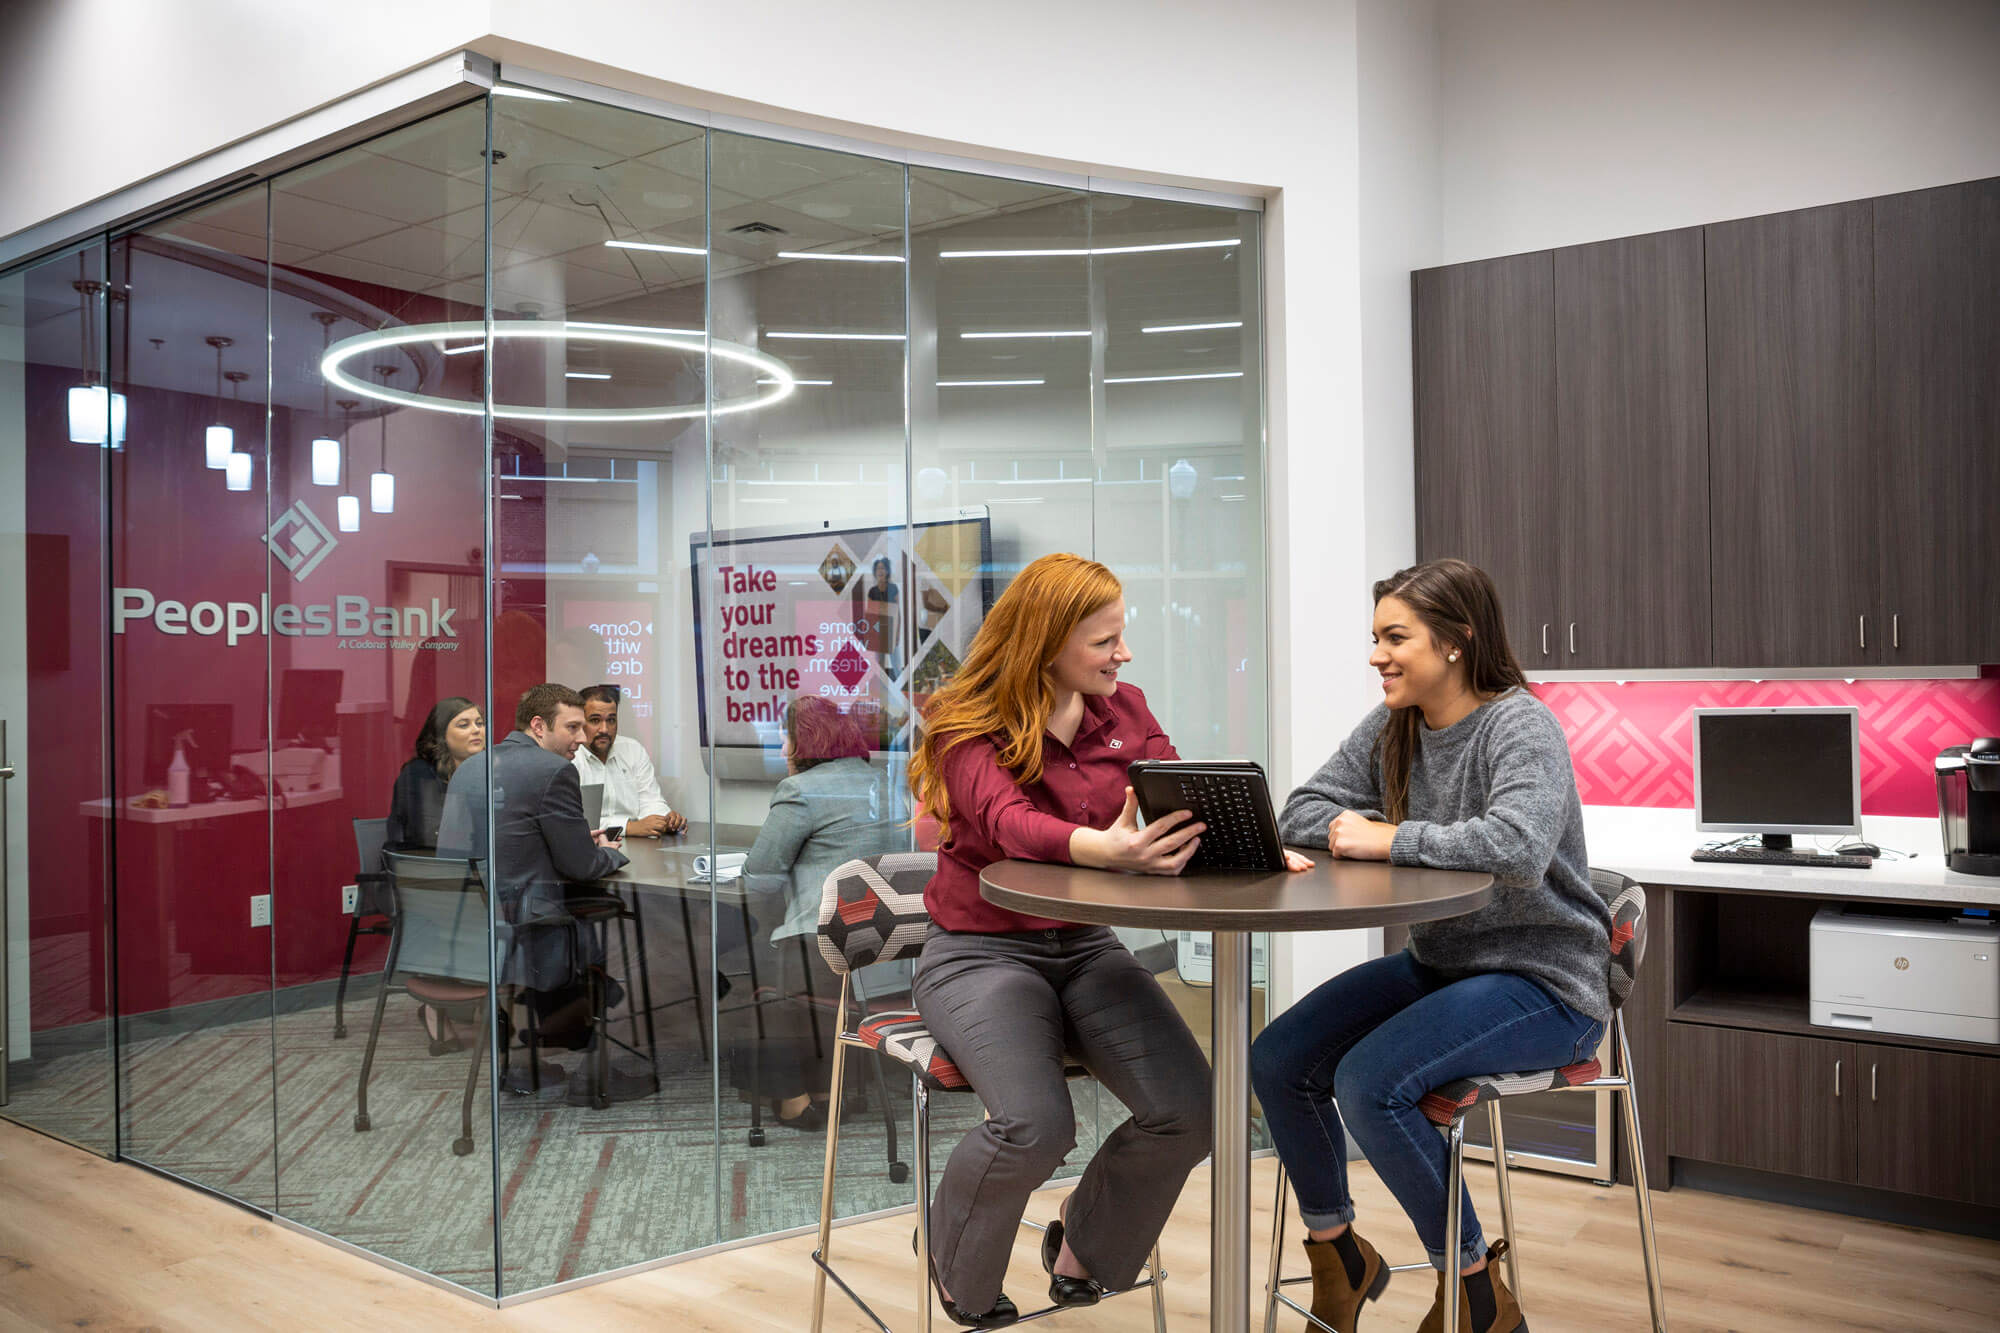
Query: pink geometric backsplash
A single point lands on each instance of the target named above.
(1633, 744)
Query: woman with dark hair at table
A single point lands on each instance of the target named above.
(1023, 756)
(1459, 768)
(454, 731)
(834, 807)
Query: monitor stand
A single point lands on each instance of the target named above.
(1777, 842)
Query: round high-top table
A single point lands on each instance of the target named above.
(1333, 895)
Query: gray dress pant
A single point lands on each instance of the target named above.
(1006, 1008)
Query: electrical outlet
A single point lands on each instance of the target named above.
(260, 909)
(349, 893)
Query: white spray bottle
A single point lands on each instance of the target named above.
(178, 774)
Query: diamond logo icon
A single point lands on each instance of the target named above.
(299, 541)
(849, 666)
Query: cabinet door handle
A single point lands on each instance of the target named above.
(1545, 640)
(1871, 1080)
(1572, 636)
(1896, 630)
(1863, 622)
(1836, 1078)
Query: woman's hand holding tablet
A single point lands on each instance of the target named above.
(1162, 847)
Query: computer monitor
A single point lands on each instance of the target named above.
(1777, 771)
(208, 731)
(308, 705)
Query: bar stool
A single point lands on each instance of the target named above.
(872, 911)
(1448, 1105)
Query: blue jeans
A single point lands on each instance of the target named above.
(1374, 1040)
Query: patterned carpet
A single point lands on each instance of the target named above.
(581, 1191)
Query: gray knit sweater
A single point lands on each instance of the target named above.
(1494, 791)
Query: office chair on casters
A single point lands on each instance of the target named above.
(1447, 1106)
(371, 899)
(872, 911)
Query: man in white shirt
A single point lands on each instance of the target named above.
(631, 788)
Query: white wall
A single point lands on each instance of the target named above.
(1566, 121)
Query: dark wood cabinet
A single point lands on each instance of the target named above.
(1484, 377)
(1937, 422)
(1927, 1123)
(1795, 514)
(1762, 1100)
(1772, 442)
(1631, 424)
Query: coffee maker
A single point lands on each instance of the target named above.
(1968, 781)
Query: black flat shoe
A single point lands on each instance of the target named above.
(811, 1119)
(1003, 1313)
(1066, 1290)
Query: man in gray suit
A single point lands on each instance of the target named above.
(543, 854)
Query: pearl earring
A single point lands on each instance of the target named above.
(1453, 657)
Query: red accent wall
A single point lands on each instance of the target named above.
(1633, 743)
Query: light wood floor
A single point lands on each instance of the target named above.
(89, 1243)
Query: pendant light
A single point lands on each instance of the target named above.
(347, 508)
(90, 403)
(236, 469)
(382, 484)
(325, 449)
(219, 441)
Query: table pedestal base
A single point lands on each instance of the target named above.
(1229, 1179)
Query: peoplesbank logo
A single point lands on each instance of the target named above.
(299, 542)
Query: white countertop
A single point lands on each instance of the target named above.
(1652, 846)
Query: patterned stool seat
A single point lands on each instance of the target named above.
(901, 1035)
(1450, 1101)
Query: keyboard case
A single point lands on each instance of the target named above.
(1230, 796)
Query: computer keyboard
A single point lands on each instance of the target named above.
(1766, 856)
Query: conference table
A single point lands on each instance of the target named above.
(1333, 895)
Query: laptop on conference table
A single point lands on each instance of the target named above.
(593, 804)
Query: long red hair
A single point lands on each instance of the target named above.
(1000, 690)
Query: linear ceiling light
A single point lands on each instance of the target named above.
(834, 337)
(1192, 328)
(1027, 333)
(526, 94)
(1162, 379)
(586, 374)
(654, 245)
(461, 351)
(1221, 243)
(333, 367)
(844, 258)
(803, 384)
(987, 384)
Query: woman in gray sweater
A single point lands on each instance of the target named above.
(1460, 768)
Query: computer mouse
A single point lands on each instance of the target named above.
(1859, 849)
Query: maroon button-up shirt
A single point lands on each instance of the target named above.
(994, 818)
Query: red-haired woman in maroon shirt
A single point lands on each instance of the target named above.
(1023, 756)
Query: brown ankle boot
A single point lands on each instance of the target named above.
(1335, 1299)
(1506, 1310)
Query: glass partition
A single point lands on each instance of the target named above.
(377, 517)
(59, 430)
(732, 442)
(194, 817)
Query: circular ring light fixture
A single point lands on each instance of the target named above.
(776, 381)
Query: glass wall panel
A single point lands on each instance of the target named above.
(194, 815)
(58, 430)
(600, 444)
(1001, 411)
(378, 685)
(1179, 498)
(811, 585)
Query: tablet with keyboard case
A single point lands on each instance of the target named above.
(1230, 796)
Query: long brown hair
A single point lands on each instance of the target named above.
(1458, 605)
(1000, 691)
